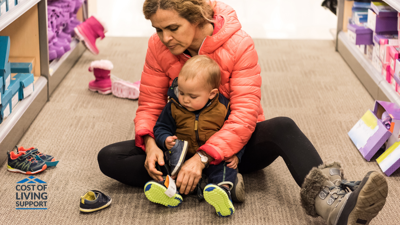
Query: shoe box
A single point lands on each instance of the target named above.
(386, 22)
(370, 134)
(359, 35)
(5, 70)
(9, 99)
(26, 84)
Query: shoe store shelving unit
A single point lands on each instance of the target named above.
(26, 24)
(371, 78)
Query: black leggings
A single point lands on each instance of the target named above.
(272, 138)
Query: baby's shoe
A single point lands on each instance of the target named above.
(155, 192)
(220, 198)
(48, 159)
(89, 31)
(125, 89)
(93, 201)
(24, 162)
(176, 156)
(238, 191)
(102, 71)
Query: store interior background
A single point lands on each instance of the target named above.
(273, 19)
(304, 78)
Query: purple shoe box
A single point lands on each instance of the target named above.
(369, 133)
(382, 23)
(359, 35)
(382, 40)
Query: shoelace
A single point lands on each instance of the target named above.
(340, 191)
(28, 156)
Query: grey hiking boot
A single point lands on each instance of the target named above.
(176, 156)
(339, 205)
(333, 171)
(238, 191)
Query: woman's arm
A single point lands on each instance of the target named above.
(245, 96)
(153, 94)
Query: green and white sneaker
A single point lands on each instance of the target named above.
(220, 198)
(155, 192)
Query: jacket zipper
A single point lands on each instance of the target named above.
(196, 123)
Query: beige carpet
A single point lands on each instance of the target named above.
(305, 80)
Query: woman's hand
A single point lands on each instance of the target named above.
(153, 155)
(189, 175)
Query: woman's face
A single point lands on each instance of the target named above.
(174, 31)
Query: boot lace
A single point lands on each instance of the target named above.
(341, 190)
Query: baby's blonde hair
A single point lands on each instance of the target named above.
(201, 64)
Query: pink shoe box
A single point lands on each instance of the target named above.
(377, 63)
(383, 40)
(386, 74)
(394, 54)
(396, 73)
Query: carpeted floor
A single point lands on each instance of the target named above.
(305, 80)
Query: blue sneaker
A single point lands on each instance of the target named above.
(24, 162)
(93, 201)
(155, 192)
(176, 156)
(48, 159)
(220, 198)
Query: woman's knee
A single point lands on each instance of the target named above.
(278, 123)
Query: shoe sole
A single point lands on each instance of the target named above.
(123, 90)
(366, 201)
(238, 190)
(93, 210)
(181, 159)
(9, 168)
(103, 92)
(82, 37)
(219, 199)
(155, 193)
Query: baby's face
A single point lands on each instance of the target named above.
(194, 93)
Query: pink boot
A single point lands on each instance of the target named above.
(89, 31)
(101, 70)
(125, 89)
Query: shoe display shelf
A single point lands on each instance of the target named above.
(26, 25)
(370, 77)
(58, 68)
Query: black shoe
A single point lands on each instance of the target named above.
(93, 201)
(176, 156)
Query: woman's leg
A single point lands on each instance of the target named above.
(124, 162)
(280, 137)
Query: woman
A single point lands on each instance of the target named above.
(187, 28)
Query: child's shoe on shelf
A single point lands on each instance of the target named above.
(89, 31)
(220, 198)
(93, 201)
(176, 156)
(125, 89)
(102, 71)
(155, 192)
(25, 162)
(48, 159)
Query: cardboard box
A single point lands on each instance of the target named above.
(8, 100)
(396, 73)
(4, 64)
(377, 63)
(389, 161)
(30, 60)
(369, 134)
(394, 54)
(26, 84)
(382, 23)
(381, 40)
(359, 35)
(370, 50)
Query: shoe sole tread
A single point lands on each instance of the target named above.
(156, 194)
(219, 199)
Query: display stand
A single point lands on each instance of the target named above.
(26, 24)
(375, 84)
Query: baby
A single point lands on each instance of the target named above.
(195, 112)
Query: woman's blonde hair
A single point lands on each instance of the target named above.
(194, 11)
(204, 66)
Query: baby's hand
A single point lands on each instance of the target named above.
(233, 162)
(170, 142)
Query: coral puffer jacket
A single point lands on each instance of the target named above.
(234, 51)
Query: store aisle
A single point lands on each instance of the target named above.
(303, 79)
(277, 19)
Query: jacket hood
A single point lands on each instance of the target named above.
(230, 27)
